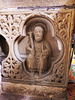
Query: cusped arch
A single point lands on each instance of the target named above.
(55, 42)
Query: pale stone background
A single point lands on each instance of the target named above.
(34, 3)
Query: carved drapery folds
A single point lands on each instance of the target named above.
(15, 28)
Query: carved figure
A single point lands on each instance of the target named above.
(2, 55)
(38, 50)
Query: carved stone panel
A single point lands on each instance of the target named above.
(39, 46)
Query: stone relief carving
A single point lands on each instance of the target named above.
(4, 49)
(48, 45)
(2, 55)
(10, 25)
(13, 27)
(63, 24)
(38, 50)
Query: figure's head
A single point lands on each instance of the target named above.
(38, 33)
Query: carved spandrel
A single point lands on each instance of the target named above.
(12, 69)
(62, 21)
(10, 25)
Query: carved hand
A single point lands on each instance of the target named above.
(45, 53)
(33, 52)
(30, 32)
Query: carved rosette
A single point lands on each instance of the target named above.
(11, 26)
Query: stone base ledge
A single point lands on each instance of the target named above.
(54, 93)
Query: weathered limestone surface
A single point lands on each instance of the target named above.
(53, 93)
(15, 77)
(14, 27)
(14, 32)
(34, 3)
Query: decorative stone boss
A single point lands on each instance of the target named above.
(39, 53)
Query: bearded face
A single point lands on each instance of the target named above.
(38, 33)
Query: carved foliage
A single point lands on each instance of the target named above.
(9, 27)
(12, 68)
(60, 73)
(9, 24)
(62, 22)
